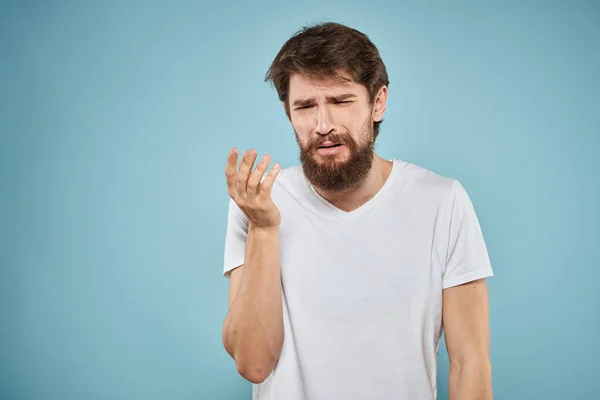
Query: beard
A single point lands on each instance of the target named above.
(330, 174)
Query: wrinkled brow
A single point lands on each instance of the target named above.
(331, 99)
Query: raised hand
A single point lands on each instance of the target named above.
(250, 194)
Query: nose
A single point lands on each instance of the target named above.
(324, 124)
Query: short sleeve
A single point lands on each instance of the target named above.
(235, 238)
(467, 257)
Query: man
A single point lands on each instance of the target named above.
(344, 270)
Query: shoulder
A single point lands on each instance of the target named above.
(289, 175)
(426, 191)
(289, 182)
(422, 181)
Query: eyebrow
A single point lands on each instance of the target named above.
(305, 102)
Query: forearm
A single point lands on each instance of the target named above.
(253, 329)
(470, 380)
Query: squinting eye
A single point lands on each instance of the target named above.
(337, 102)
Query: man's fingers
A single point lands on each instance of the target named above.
(267, 184)
(244, 172)
(257, 175)
(231, 171)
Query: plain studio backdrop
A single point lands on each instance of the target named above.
(116, 119)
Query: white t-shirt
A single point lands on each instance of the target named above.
(362, 290)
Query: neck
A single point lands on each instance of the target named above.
(352, 198)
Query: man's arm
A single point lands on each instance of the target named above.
(253, 327)
(466, 328)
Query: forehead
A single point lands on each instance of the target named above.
(303, 86)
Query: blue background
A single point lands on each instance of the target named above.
(116, 119)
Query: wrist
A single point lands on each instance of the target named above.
(263, 230)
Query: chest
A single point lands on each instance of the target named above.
(358, 269)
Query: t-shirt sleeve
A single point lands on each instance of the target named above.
(235, 238)
(467, 257)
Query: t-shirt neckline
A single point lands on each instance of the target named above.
(330, 209)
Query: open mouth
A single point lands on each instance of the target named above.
(329, 149)
(330, 146)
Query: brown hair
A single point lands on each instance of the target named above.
(320, 51)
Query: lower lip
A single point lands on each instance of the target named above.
(328, 151)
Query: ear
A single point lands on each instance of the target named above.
(379, 104)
